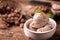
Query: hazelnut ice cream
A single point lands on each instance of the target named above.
(39, 20)
(40, 23)
(45, 28)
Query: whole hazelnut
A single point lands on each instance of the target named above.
(21, 25)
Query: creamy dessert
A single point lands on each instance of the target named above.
(40, 23)
(39, 20)
(45, 28)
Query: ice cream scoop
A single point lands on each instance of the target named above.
(45, 28)
(33, 29)
(39, 20)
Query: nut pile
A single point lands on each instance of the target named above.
(11, 16)
(40, 23)
(9, 13)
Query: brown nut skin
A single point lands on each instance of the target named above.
(22, 20)
(8, 8)
(21, 25)
(3, 24)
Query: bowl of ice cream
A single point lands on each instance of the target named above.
(40, 28)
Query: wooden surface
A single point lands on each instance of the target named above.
(16, 33)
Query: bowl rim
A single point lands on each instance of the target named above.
(25, 27)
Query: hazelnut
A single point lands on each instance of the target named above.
(16, 22)
(22, 20)
(13, 14)
(21, 25)
(8, 8)
(9, 15)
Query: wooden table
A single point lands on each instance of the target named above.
(16, 33)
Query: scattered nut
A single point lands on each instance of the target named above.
(22, 20)
(21, 25)
(16, 22)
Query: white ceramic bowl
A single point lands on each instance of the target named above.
(39, 35)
